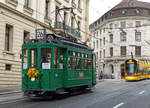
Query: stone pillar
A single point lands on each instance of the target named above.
(117, 71)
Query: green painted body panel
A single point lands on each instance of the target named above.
(74, 78)
(52, 79)
(57, 78)
(45, 79)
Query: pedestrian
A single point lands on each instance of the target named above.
(112, 76)
(101, 75)
(96, 76)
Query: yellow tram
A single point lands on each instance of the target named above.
(137, 69)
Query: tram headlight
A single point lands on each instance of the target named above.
(33, 79)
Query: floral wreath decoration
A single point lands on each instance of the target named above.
(33, 73)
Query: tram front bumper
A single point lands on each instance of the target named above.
(131, 78)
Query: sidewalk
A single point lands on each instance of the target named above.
(10, 90)
(110, 80)
(10, 93)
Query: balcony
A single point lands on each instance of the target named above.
(28, 9)
(47, 19)
(12, 2)
(116, 58)
(59, 27)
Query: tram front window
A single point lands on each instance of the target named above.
(46, 58)
(24, 58)
(130, 69)
(33, 57)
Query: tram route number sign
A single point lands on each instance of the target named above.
(40, 33)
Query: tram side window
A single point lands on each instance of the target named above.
(89, 62)
(24, 57)
(85, 61)
(61, 58)
(70, 61)
(58, 58)
(82, 61)
(33, 57)
(78, 61)
(46, 58)
(70, 53)
(74, 63)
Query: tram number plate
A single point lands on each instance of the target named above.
(40, 33)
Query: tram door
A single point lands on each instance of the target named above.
(46, 67)
(59, 67)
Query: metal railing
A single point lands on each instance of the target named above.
(68, 29)
(47, 18)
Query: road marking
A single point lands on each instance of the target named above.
(117, 106)
(142, 92)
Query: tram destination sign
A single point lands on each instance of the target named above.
(40, 33)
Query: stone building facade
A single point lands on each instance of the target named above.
(20, 18)
(120, 33)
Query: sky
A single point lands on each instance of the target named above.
(99, 7)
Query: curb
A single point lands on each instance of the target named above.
(11, 100)
(110, 80)
(4, 93)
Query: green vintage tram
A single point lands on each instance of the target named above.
(56, 65)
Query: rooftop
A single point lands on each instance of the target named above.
(131, 3)
(124, 4)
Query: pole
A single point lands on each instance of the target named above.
(131, 55)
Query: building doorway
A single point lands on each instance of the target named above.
(122, 68)
(112, 71)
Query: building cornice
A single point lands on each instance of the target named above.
(115, 13)
(118, 19)
(2, 5)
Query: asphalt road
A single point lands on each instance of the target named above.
(108, 94)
